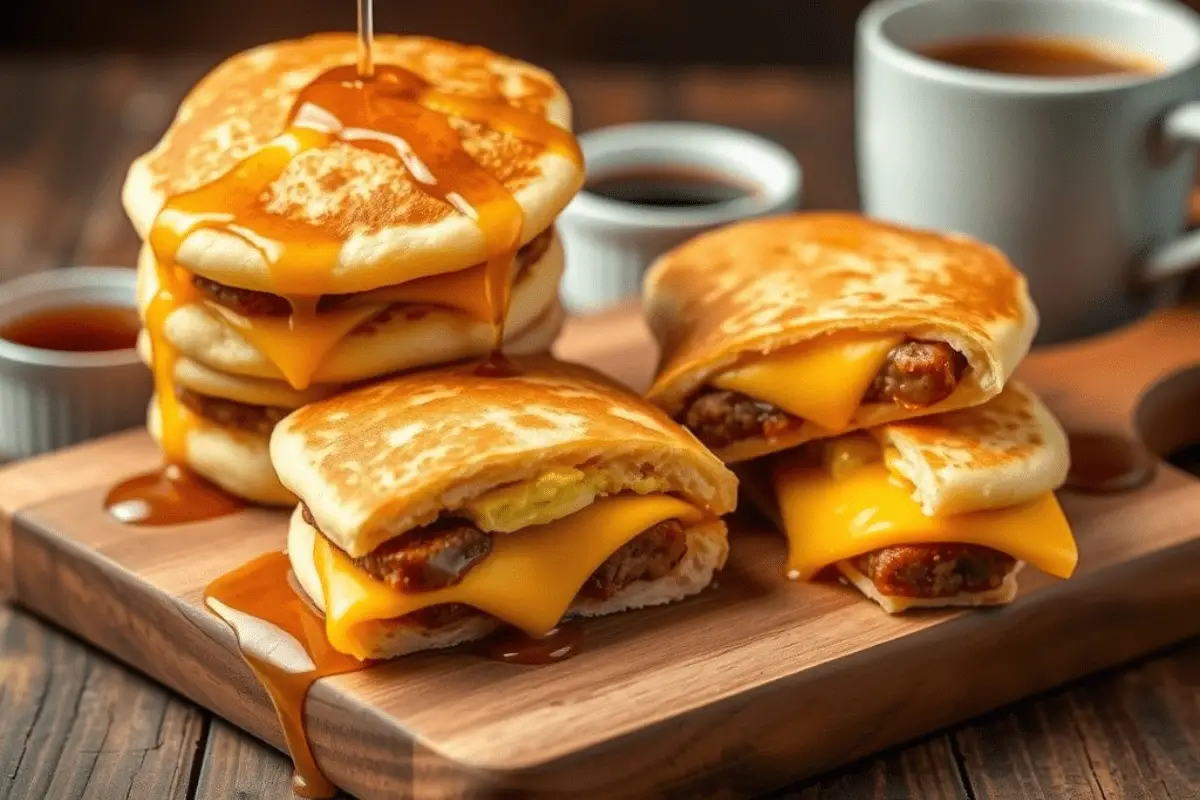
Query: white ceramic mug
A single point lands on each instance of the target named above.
(1082, 182)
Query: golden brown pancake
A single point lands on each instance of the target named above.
(391, 230)
(373, 463)
(728, 298)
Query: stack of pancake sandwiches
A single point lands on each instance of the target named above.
(857, 376)
(302, 235)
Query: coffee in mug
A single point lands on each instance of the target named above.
(1061, 131)
(1035, 55)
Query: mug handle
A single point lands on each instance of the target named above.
(1181, 127)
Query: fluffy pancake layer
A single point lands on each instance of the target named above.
(387, 224)
(237, 460)
(376, 462)
(762, 291)
(232, 416)
(402, 337)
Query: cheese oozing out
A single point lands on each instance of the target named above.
(528, 580)
(300, 343)
(822, 381)
(829, 519)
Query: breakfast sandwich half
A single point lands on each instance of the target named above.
(778, 331)
(937, 511)
(439, 505)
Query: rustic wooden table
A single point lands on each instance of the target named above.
(74, 723)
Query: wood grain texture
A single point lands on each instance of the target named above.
(233, 765)
(747, 687)
(78, 725)
(1128, 734)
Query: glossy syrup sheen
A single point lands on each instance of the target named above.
(77, 329)
(282, 639)
(171, 495)
(1037, 56)
(511, 646)
(1103, 463)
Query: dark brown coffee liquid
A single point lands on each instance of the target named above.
(1044, 57)
(668, 187)
(78, 329)
(1186, 458)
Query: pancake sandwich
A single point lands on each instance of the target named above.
(438, 505)
(306, 229)
(780, 331)
(937, 511)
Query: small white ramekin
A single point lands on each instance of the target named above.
(50, 399)
(609, 244)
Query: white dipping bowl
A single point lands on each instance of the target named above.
(51, 399)
(610, 243)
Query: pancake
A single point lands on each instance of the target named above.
(236, 460)
(373, 463)
(786, 313)
(403, 337)
(386, 227)
(196, 377)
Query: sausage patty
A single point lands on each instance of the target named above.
(934, 570)
(440, 555)
(915, 375)
(428, 558)
(650, 555)
(720, 418)
(253, 303)
(232, 414)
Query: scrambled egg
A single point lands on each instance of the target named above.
(553, 495)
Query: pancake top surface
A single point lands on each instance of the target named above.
(1008, 450)
(767, 283)
(1008, 429)
(367, 199)
(399, 451)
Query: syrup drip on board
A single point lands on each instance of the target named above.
(1104, 463)
(282, 639)
(514, 647)
(384, 109)
(169, 496)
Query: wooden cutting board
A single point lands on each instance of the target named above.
(754, 684)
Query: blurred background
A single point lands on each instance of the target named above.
(794, 32)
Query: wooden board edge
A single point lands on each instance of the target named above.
(57, 474)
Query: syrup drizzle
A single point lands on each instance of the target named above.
(282, 639)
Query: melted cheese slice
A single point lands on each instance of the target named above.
(297, 344)
(528, 580)
(462, 290)
(822, 381)
(828, 520)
